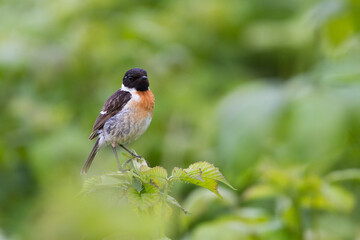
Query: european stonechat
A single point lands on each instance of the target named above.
(125, 116)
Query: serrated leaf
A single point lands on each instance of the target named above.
(147, 198)
(175, 203)
(156, 175)
(203, 174)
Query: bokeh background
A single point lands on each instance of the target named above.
(268, 91)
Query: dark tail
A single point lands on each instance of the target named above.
(91, 157)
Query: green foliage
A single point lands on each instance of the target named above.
(147, 189)
(202, 174)
(268, 91)
(295, 191)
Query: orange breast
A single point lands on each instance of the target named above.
(147, 101)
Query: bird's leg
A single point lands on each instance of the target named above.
(117, 158)
(133, 154)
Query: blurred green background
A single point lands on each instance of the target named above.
(268, 91)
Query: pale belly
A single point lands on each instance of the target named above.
(126, 126)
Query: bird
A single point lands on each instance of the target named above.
(125, 116)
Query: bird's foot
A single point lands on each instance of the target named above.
(140, 157)
(137, 156)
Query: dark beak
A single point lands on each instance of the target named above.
(145, 80)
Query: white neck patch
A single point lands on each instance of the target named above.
(131, 90)
(134, 95)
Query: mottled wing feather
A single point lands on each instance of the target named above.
(112, 106)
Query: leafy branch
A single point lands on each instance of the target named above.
(147, 189)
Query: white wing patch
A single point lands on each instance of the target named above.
(103, 112)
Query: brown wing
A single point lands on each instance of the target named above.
(112, 106)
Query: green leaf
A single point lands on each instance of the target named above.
(343, 175)
(202, 174)
(148, 197)
(234, 228)
(260, 191)
(175, 203)
(156, 175)
(338, 198)
(329, 197)
(138, 163)
(108, 180)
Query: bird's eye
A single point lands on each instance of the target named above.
(130, 78)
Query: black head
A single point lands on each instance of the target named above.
(136, 78)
